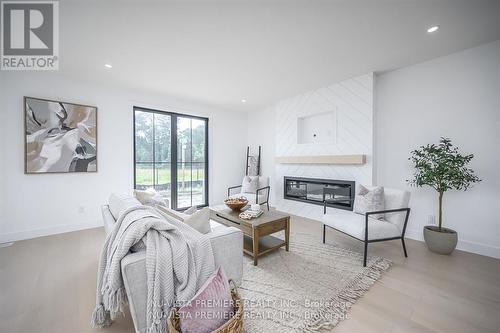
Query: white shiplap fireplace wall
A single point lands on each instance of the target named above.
(352, 102)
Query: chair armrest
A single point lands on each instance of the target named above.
(227, 247)
(268, 188)
(231, 188)
(398, 210)
(407, 210)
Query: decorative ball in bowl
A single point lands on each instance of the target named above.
(236, 204)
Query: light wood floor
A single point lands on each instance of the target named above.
(48, 285)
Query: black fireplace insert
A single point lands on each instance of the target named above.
(336, 193)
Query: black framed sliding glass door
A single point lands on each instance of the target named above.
(171, 155)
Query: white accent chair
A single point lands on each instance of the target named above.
(261, 196)
(368, 229)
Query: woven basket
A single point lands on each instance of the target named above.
(233, 325)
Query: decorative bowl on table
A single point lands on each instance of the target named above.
(236, 204)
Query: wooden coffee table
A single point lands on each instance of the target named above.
(257, 232)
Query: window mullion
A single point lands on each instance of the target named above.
(191, 151)
(173, 160)
(154, 152)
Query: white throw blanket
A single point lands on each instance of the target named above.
(178, 262)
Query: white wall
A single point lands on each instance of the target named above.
(34, 205)
(457, 96)
(275, 128)
(261, 129)
(3, 148)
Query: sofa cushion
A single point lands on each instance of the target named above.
(108, 219)
(119, 202)
(199, 220)
(190, 210)
(214, 225)
(172, 213)
(210, 308)
(354, 224)
(395, 199)
(150, 197)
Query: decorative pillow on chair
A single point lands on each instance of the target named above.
(249, 184)
(369, 201)
(210, 308)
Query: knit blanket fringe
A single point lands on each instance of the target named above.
(100, 317)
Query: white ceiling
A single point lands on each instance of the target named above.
(218, 52)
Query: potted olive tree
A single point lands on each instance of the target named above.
(442, 167)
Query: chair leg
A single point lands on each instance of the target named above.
(366, 252)
(267, 203)
(324, 233)
(404, 247)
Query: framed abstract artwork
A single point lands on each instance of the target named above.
(59, 137)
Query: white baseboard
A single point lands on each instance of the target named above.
(417, 234)
(52, 230)
(464, 245)
(414, 234)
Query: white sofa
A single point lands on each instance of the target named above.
(261, 196)
(227, 246)
(368, 229)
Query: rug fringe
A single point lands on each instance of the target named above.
(330, 314)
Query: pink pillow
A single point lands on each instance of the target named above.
(210, 308)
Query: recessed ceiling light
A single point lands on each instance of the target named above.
(433, 29)
(243, 100)
(108, 66)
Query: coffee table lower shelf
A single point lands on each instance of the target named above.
(257, 232)
(266, 244)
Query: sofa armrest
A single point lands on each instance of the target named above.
(107, 219)
(134, 277)
(227, 246)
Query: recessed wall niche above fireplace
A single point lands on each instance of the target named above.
(337, 193)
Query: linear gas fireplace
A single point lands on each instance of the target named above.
(337, 193)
